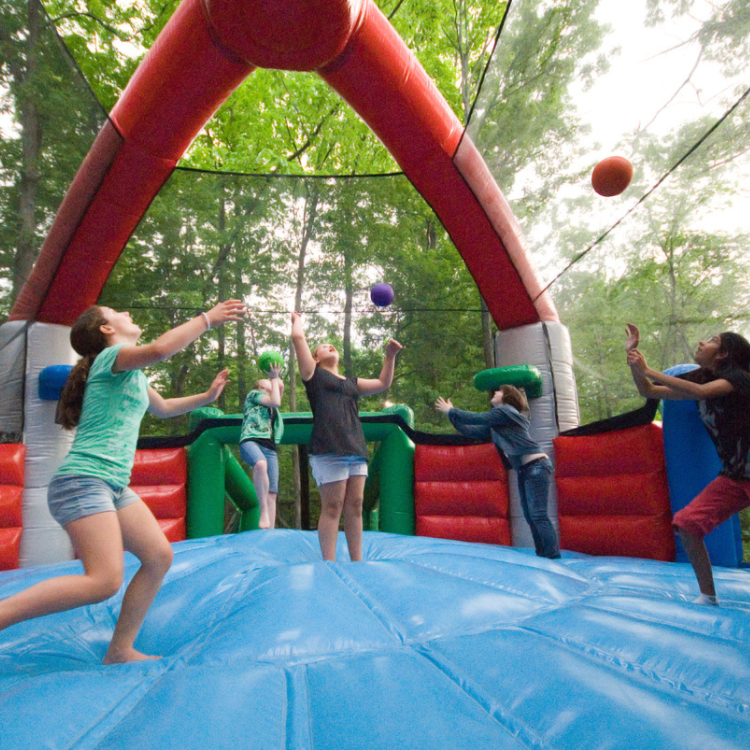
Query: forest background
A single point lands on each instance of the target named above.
(287, 200)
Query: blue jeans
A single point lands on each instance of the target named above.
(534, 481)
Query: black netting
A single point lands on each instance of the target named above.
(212, 236)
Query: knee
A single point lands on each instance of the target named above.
(106, 585)
(354, 506)
(332, 509)
(159, 560)
(539, 515)
(261, 467)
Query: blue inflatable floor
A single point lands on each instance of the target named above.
(429, 644)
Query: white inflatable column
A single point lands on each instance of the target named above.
(43, 540)
(12, 368)
(547, 347)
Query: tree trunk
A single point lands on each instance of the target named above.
(224, 249)
(349, 292)
(241, 347)
(311, 210)
(487, 338)
(31, 139)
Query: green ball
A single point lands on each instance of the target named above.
(269, 358)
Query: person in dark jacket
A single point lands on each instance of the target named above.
(507, 425)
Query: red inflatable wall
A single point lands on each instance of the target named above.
(612, 494)
(160, 478)
(461, 492)
(11, 489)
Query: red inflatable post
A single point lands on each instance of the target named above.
(159, 478)
(11, 489)
(461, 492)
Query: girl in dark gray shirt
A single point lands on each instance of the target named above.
(338, 451)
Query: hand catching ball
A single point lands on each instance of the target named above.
(269, 358)
(611, 176)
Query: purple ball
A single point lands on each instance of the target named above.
(382, 294)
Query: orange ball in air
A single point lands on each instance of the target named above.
(612, 175)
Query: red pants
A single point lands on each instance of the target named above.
(720, 500)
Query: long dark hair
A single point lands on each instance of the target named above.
(737, 349)
(513, 397)
(88, 340)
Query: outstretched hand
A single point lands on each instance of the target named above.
(274, 371)
(634, 337)
(392, 348)
(231, 309)
(443, 405)
(217, 386)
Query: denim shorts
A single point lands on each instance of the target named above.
(329, 467)
(253, 452)
(72, 497)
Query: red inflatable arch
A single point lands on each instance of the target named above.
(203, 54)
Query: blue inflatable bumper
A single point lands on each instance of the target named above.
(428, 644)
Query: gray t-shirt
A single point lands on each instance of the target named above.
(107, 434)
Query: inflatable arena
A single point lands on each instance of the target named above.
(451, 633)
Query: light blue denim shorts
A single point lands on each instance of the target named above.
(72, 497)
(329, 467)
(253, 452)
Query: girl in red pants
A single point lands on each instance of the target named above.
(721, 386)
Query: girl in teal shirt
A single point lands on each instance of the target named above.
(105, 397)
(262, 428)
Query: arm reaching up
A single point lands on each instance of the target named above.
(134, 357)
(172, 407)
(305, 361)
(367, 387)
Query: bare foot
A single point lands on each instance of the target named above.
(264, 523)
(122, 656)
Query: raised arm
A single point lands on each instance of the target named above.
(277, 388)
(172, 407)
(670, 387)
(369, 386)
(468, 423)
(645, 387)
(305, 361)
(134, 357)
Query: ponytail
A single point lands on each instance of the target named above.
(88, 340)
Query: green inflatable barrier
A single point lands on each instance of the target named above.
(527, 377)
(213, 471)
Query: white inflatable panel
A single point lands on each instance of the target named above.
(568, 413)
(547, 347)
(12, 367)
(43, 540)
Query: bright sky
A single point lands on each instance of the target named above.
(645, 89)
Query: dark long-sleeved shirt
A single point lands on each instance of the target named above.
(504, 425)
